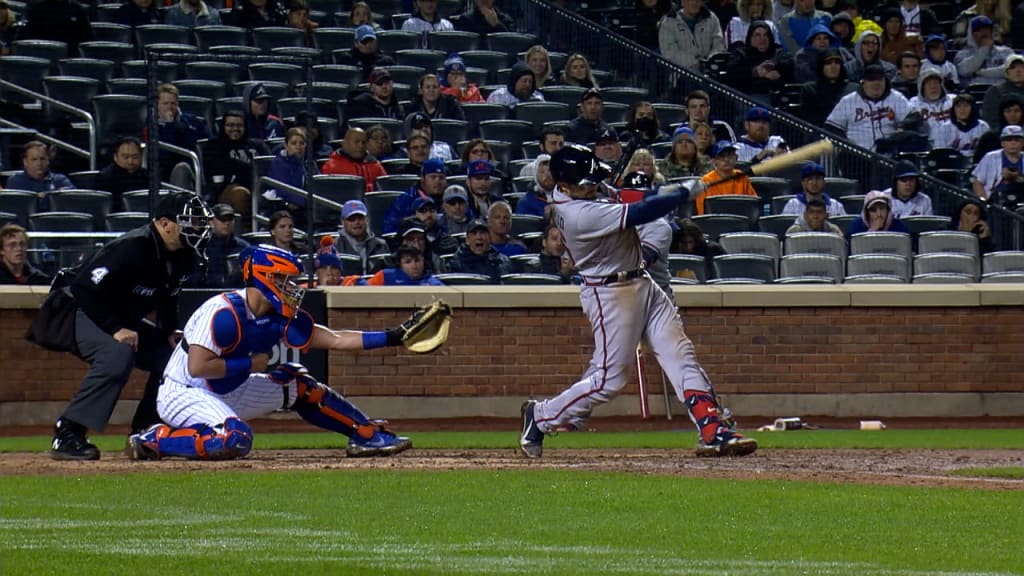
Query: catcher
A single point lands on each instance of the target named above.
(217, 378)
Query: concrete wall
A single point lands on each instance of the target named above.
(857, 350)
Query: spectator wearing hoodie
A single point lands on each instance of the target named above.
(972, 216)
(690, 35)
(866, 52)
(411, 269)
(353, 159)
(795, 26)
(433, 102)
(484, 17)
(821, 95)
(519, 88)
(191, 14)
(812, 182)
(478, 256)
(536, 202)
(935, 58)
(259, 122)
(963, 130)
(876, 216)
(431, 185)
(356, 237)
(998, 11)
(227, 163)
(895, 40)
(137, 13)
(684, 160)
(759, 66)
(379, 102)
(253, 14)
(982, 61)
(455, 84)
(1013, 85)
(919, 20)
(845, 30)
(907, 197)
(365, 54)
(870, 113)
(1011, 113)
(814, 218)
(426, 19)
(750, 11)
(932, 101)
(819, 39)
(908, 75)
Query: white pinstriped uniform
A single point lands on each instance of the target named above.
(865, 121)
(989, 170)
(949, 135)
(622, 314)
(185, 400)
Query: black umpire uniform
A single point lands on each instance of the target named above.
(131, 284)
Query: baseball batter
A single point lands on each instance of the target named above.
(624, 307)
(217, 379)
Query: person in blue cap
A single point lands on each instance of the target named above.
(758, 144)
(431, 185)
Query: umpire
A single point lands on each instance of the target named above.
(126, 299)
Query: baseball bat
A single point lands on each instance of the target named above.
(783, 161)
(641, 381)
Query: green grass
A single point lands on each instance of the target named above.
(484, 522)
(682, 438)
(1013, 472)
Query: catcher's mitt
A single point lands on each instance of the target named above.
(427, 329)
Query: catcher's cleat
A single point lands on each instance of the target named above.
(70, 443)
(382, 443)
(727, 443)
(531, 441)
(145, 445)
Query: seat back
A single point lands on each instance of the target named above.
(948, 241)
(391, 41)
(207, 37)
(747, 206)
(463, 279)
(116, 52)
(919, 224)
(813, 265)
(751, 243)
(769, 188)
(429, 60)
(531, 279)
(118, 115)
(627, 95)
(525, 223)
(714, 225)
(453, 41)
(61, 222)
(688, 266)
(20, 203)
(541, 113)
(758, 267)
(947, 263)
(377, 204)
(882, 243)
(25, 71)
(126, 221)
(102, 70)
(95, 202)
(852, 203)
(816, 243)
(227, 73)
(776, 224)
(879, 264)
(269, 37)
(1006, 261)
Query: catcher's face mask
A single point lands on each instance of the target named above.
(275, 272)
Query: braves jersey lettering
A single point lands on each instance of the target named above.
(861, 114)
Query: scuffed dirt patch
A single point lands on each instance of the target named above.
(926, 468)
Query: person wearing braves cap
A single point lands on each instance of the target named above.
(365, 53)
(981, 61)
(607, 147)
(379, 102)
(723, 158)
(126, 300)
(812, 182)
(758, 143)
(431, 185)
(872, 112)
(259, 122)
(1000, 168)
(478, 256)
(356, 237)
(480, 184)
(625, 308)
(224, 244)
(454, 82)
(585, 127)
(1013, 72)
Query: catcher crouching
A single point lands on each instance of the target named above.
(217, 378)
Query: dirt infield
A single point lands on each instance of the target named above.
(888, 467)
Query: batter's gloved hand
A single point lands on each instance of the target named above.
(284, 374)
(425, 331)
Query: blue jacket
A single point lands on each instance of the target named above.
(51, 182)
(857, 226)
(492, 263)
(805, 67)
(291, 171)
(396, 277)
(401, 209)
(531, 204)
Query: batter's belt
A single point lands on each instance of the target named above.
(615, 278)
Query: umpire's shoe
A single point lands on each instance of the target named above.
(726, 443)
(70, 443)
(531, 441)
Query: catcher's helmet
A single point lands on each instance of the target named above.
(576, 164)
(273, 271)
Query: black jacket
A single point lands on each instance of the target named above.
(493, 263)
(447, 107)
(818, 98)
(366, 106)
(365, 61)
(246, 15)
(61, 20)
(473, 21)
(117, 181)
(131, 277)
(743, 60)
(31, 276)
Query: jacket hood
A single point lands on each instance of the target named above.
(926, 74)
(519, 69)
(927, 53)
(844, 17)
(819, 28)
(453, 61)
(856, 48)
(955, 223)
(758, 24)
(869, 199)
(820, 66)
(972, 120)
(743, 8)
(221, 135)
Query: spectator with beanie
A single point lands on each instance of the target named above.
(356, 237)
(935, 58)
(379, 102)
(683, 159)
(819, 97)
(812, 181)
(737, 32)
(1013, 85)
(36, 175)
(454, 82)
(431, 185)
(477, 256)
(326, 264)
(223, 245)
(14, 265)
(352, 159)
(125, 173)
(365, 54)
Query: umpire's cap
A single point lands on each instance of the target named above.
(576, 164)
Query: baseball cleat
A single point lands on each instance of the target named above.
(143, 445)
(727, 443)
(70, 443)
(531, 441)
(383, 443)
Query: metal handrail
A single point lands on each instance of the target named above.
(90, 121)
(194, 157)
(320, 200)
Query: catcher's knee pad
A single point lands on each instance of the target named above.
(321, 406)
(227, 441)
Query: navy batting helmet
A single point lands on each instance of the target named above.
(576, 164)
